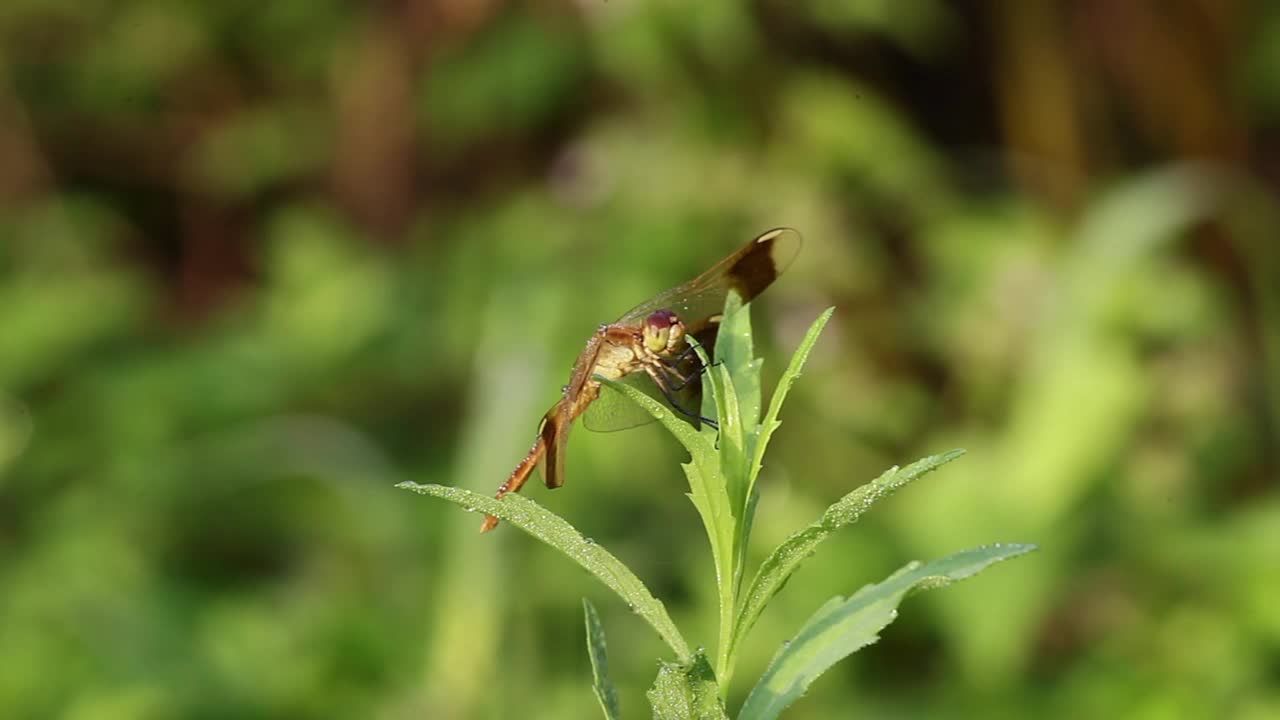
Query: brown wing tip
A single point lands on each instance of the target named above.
(765, 259)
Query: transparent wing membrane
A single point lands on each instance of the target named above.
(749, 271)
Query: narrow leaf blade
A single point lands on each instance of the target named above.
(699, 446)
(706, 483)
(555, 531)
(841, 627)
(788, 379)
(733, 440)
(734, 350)
(786, 558)
(606, 693)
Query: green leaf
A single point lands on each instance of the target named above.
(758, 445)
(739, 407)
(686, 691)
(733, 436)
(706, 483)
(771, 422)
(735, 379)
(734, 350)
(605, 691)
(559, 534)
(715, 457)
(786, 558)
(841, 627)
(707, 487)
(701, 447)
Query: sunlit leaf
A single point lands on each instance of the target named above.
(734, 349)
(739, 372)
(771, 422)
(559, 534)
(713, 455)
(786, 558)
(841, 627)
(706, 483)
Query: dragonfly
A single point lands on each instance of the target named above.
(649, 348)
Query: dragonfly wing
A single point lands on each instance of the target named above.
(748, 271)
(612, 411)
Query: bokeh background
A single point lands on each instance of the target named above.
(261, 260)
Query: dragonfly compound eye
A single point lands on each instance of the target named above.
(657, 330)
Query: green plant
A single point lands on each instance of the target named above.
(722, 471)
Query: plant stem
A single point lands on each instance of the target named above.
(728, 605)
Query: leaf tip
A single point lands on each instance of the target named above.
(1016, 549)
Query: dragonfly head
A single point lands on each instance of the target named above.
(663, 332)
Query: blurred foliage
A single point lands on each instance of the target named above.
(260, 261)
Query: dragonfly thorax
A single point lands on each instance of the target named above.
(663, 332)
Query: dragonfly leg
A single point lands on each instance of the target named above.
(674, 363)
(688, 350)
(665, 388)
(691, 377)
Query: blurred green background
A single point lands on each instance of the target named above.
(261, 260)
